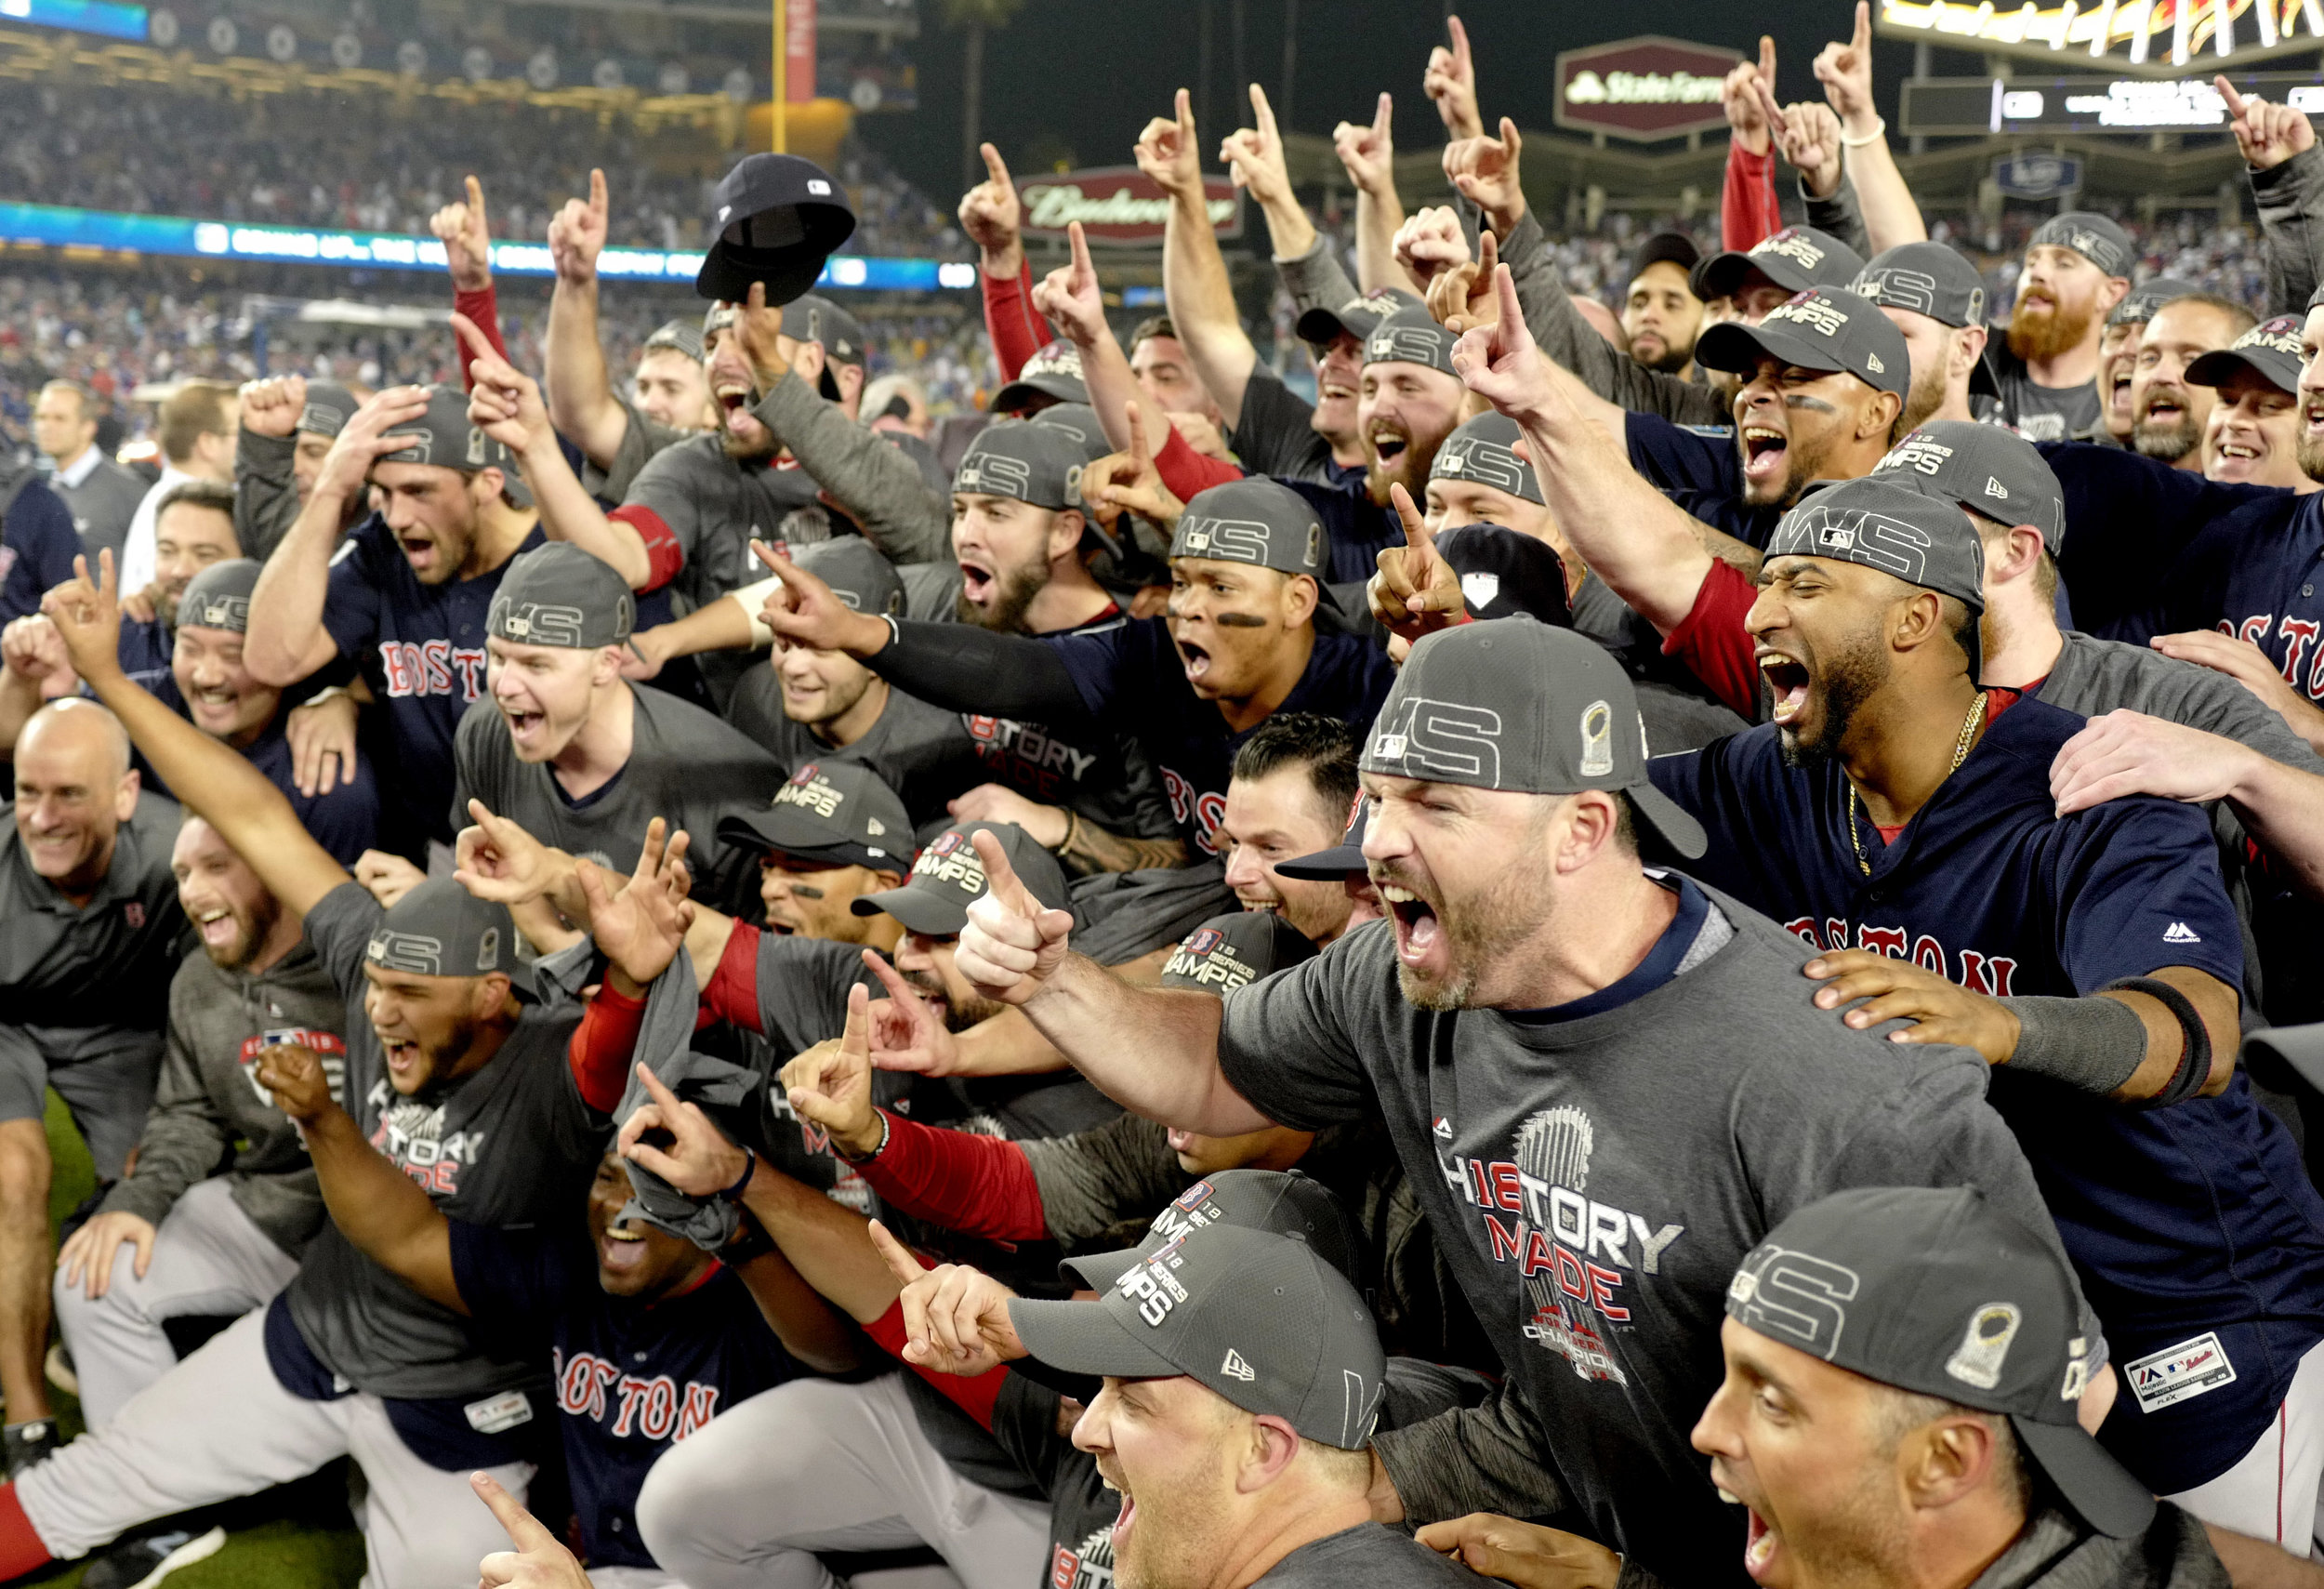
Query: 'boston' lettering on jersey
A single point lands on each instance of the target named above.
(1978, 973)
(589, 1386)
(426, 668)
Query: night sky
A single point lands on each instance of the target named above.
(1070, 78)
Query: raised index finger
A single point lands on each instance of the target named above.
(2228, 92)
(597, 191)
(1000, 878)
(1185, 105)
(995, 168)
(1459, 44)
(1265, 112)
(1084, 269)
(476, 200)
(901, 1263)
(525, 1530)
(1380, 117)
(1767, 58)
(1863, 39)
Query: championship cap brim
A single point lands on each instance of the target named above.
(1678, 828)
(1083, 1338)
(787, 830)
(1325, 866)
(921, 910)
(2100, 1489)
(1742, 345)
(2219, 366)
(1721, 273)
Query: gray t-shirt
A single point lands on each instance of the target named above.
(643, 439)
(2039, 413)
(685, 766)
(923, 752)
(1368, 1556)
(510, 1145)
(1594, 1182)
(1274, 433)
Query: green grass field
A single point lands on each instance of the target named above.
(295, 1538)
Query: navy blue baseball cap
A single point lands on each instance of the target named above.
(777, 218)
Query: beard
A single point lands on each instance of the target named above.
(1410, 471)
(959, 1014)
(2309, 455)
(1925, 396)
(1478, 931)
(1850, 678)
(254, 929)
(1012, 597)
(1671, 361)
(2039, 333)
(2166, 441)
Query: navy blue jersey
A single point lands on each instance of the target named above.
(1132, 675)
(37, 546)
(345, 821)
(2129, 518)
(1354, 527)
(631, 1377)
(1697, 468)
(2254, 573)
(422, 649)
(2193, 1228)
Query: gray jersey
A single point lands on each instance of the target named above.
(1593, 1182)
(1274, 433)
(208, 1110)
(102, 506)
(642, 440)
(106, 963)
(923, 752)
(685, 766)
(510, 1145)
(1367, 1556)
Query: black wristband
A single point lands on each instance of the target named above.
(733, 1194)
(2195, 1037)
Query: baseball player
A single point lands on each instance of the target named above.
(1246, 563)
(494, 1102)
(648, 1337)
(1582, 1066)
(2252, 437)
(2095, 962)
(288, 424)
(405, 597)
(806, 704)
(203, 679)
(92, 922)
(1935, 296)
(575, 753)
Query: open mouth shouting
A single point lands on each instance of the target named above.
(2118, 388)
(525, 726)
(1766, 452)
(1787, 680)
(733, 396)
(215, 704)
(1421, 945)
(1129, 1513)
(620, 1249)
(2312, 420)
(977, 582)
(1389, 442)
(419, 551)
(1762, 1542)
(1195, 660)
(406, 1060)
(217, 926)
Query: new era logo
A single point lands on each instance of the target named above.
(2180, 933)
(1235, 1368)
(1443, 1128)
(1995, 488)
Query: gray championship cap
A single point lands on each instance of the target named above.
(2096, 238)
(1798, 257)
(776, 218)
(1282, 1202)
(811, 317)
(218, 597)
(1410, 337)
(328, 408)
(1234, 950)
(948, 876)
(1256, 521)
(1259, 1318)
(1080, 421)
(1927, 278)
(1513, 704)
(1828, 328)
(1931, 279)
(558, 594)
(1935, 1291)
(442, 436)
(2139, 305)
(863, 580)
(1905, 529)
(1504, 572)
(2270, 349)
(1484, 450)
(1344, 859)
(837, 812)
(1358, 317)
(1053, 372)
(676, 336)
(1025, 460)
(1994, 470)
(440, 929)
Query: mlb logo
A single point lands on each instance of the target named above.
(1838, 538)
(946, 844)
(1205, 940)
(806, 775)
(818, 187)
(1192, 1198)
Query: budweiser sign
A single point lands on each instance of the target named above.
(1643, 88)
(1120, 205)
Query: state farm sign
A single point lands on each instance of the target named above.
(1644, 88)
(1118, 205)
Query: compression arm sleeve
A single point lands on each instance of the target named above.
(601, 1046)
(1747, 208)
(973, 1394)
(484, 309)
(978, 1185)
(1017, 330)
(734, 991)
(961, 667)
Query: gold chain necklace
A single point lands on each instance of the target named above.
(1961, 753)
